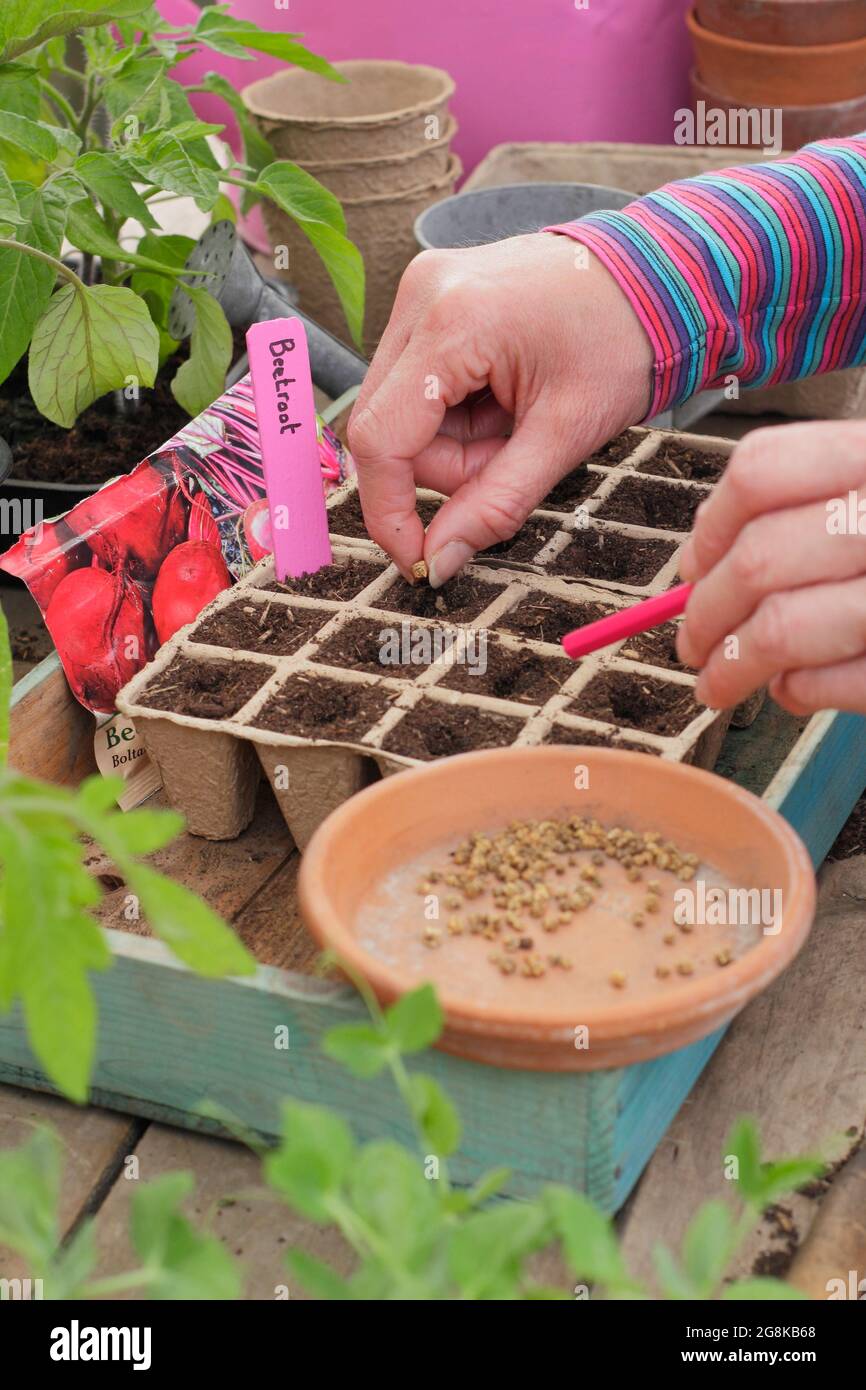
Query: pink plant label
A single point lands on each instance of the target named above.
(286, 414)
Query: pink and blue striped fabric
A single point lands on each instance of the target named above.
(757, 272)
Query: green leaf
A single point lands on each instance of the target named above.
(788, 1175)
(25, 24)
(148, 21)
(180, 110)
(187, 1265)
(168, 163)
(761, 1291)
(320, 217)
(317, 1277)
(20, 94)
(707, 1246)
(184, 922)
(391, 1195)
(258, 153)
(19, 90)
(33, 137)
(98, 794)
(74, 1262)
(301, 195)
(106, 177)
(156, 290)
(9, 209)
(762, 1183)
(87, 231)
(361, 1048)
(135, 91)
(89, 341)
(313, 1161)
(487, 1186)
(231, 37)
(415, 1021)
(143, 831)
(50, 944)
(745, 1146)
(135, 832)
(104, 55)
(224, 210)
(345, 265)
(674, 1280)
(186, 131)
(435, 1115)
(29, 1197)
(202, 378)
(487, 1250)
(589, 1242)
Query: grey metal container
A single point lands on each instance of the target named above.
(473, 219)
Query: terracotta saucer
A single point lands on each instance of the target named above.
(353, 857)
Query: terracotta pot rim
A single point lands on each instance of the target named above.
(330, 166)
(741, 19)
(789, 53)
(712, 998)
(292, 76)
(702, 91)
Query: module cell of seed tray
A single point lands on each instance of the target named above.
(330, 680)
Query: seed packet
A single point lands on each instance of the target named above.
(127, 566)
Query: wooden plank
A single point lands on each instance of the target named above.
(270, 924)
(253, 1225)
(226, 874)
(50, 734)
(94, 1141)
(794, 1059)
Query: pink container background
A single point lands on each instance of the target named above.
(525, 69)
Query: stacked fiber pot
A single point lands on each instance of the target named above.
(807, 57)
(380, 141)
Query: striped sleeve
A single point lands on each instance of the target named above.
(756, 272)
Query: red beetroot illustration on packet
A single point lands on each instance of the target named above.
(117, 575)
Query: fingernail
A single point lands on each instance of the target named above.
(702, 693)
(447, 561)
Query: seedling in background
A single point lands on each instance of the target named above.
(414, 1235)
(49, 941)
(78, 167)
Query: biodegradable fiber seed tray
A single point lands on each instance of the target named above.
(289, 677)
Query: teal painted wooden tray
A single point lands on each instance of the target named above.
(172, 1045)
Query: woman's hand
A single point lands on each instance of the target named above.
(502, 367)
(780, 569)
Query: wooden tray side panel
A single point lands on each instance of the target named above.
(50, 733)
(822, 779)
(170, 1043)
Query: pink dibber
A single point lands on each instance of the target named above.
(639, 618)
(286, 415)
